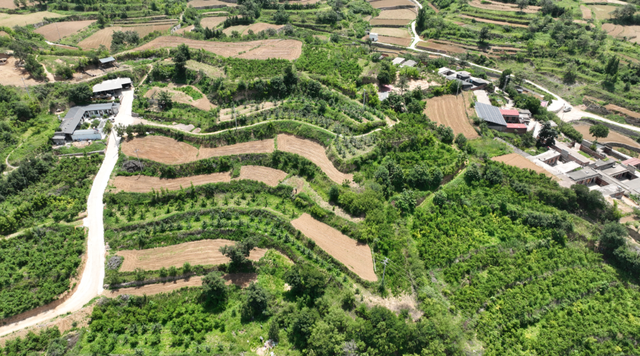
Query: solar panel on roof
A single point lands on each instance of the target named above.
(490, 114)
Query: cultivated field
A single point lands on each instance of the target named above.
(55, 31)
(438, 47)
(354, 255)
(181, 97)
(210, 4)
(617, 2)
(9, 4)
(391, 32)
(500, 6)
(266, 175)
(103, 37)
(602, 12)
(450, 110)
(516, 160)
(144, 184)
(228, 114)
(630, 32)
(203, 252)
(613, 136)
(242, 280)
(501, 23)
(211, 71)
(284, 49)
(401, 14)
(212, 22)
(23, 20)
(390, 22)
(263, 146)
(390, 4)
(313, 152)
(586, 12)
(160, 149)
(169, 151)
(403, 42)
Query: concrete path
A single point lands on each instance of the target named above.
(93, 276)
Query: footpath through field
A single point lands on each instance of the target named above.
(91, 283)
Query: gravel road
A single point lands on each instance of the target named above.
(93, 276)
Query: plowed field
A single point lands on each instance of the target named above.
(54, 31)
(212, 22)
(284, 49)
(23, 20)
(389, 4)
(391, 32)
(354, 255)
(390, 22)
(144, 184)
(437, 47)
(603, 12)
(404, 42)
(500, 6)
(630, 32)
(516, 160)
(103, 37)
(313, 152)
(203, 252)
(501, 23)
(211, 4)
(449, 110)
(401, 14)
(181, 97)
(169, 151)
(613, 136)
(266, 175)
(242, 280)
(586, 12)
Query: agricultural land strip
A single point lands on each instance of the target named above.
(269, 176)
(449, 110)
(55, 31)
(145, 184)
(612, 137)
(516, 160)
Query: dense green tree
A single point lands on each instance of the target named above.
(80, 94)
(256, 301)
(547, 135)
(599, 131)
(214, 288)
(387, 73)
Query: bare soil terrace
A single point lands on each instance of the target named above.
(450, 110)
(264, 49)
(613, 136)
(354, 255)
(313, 152)
(212, 22)
(630, 32)
(516, 160)
(400, 14)
(181, 97)
(391, 32)
(103, 37)
(390, 4)
(500, 6)
(390, 22)
(28, 19)
(242, 280)
(145, 184)
(54, 31)
(203, 252)
(269, 176)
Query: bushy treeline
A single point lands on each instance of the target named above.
(35, 267)
(48, 340)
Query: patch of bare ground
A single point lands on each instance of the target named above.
(263, 146)
(203, 252)
(354, 255)
(586, 12)
(516, 160)
(55, 31)
(302, 186)
(390, 4)
(266, 175)
(391, 32)
(145, 184)
(64, 324)
(501, 23)
(395, 304)
(313, 152)
(103, 37)
(210, 4)
(160, 149)
(212, 22)
(242, 280)
(500, 6)
(441, 48)
(450, 110)
(401, 14)
(181, 97)
(613, 136)
(390, 22)
(264, 49)
(12, 75)
(11, 20)
(403, 42)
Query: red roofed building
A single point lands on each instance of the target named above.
(516, 128)
(632, 162)
(511, 116)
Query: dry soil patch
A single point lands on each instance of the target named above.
(103, 37)
(390, 4)
(313, 152)
(12, 75)
(500, 6)
(160, 149)
(613, 136)
(391, 32)
(602, 12)
(264, 49)
(212, 22)
(450, 110)
(145, 184)
(390, 22)
(266, 175)
(28, 19)
(211, 4)
(438, 47)
(54, 31)
(354, 255)
(516, 160)
(501, 23)
(586, 12)
(400, 14)
(203, 252)
(263, 146)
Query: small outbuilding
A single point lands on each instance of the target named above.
(113, 86)
(107, 62)
(86, 135)
(373, 37)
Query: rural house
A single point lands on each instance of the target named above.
(511, 116)
(492, 116)
(73, 119)
(111, 87)
(108, 62)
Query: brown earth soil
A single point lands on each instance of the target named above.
(494, 22)
(404, 42)
(514, 159)
(586, 12)
(630, 32)
(389, 22)
(181, 97)
(401, 14)
(211, 4)
(261, 26)
(433, 7)
(103, 37)
(28, 19)
(437, 47)
(263, 146)
(212, 22)
(354, 255)
(182, 30)
(169, 151)
(285, 49)
(160, 149)
(391, 32)
(12, 75)
(266, 175)
(313, 152)
(613, 136)
(619, 109)
(450, 110)
(145, 184)
(9, 4)
(54, 31)
(239, 28)
(500, 6)
(203, 252)
(242, 280)
(382, 4)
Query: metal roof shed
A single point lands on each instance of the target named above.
(107, 60)
(83, 135)
(490, 114)
(71, 120)
(397, 60)
(409, 63)
(113, 84)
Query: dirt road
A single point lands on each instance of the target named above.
(93, 276)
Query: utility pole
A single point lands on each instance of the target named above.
(384, 262)
(25, 86)
(136, 151)
(235, 116)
